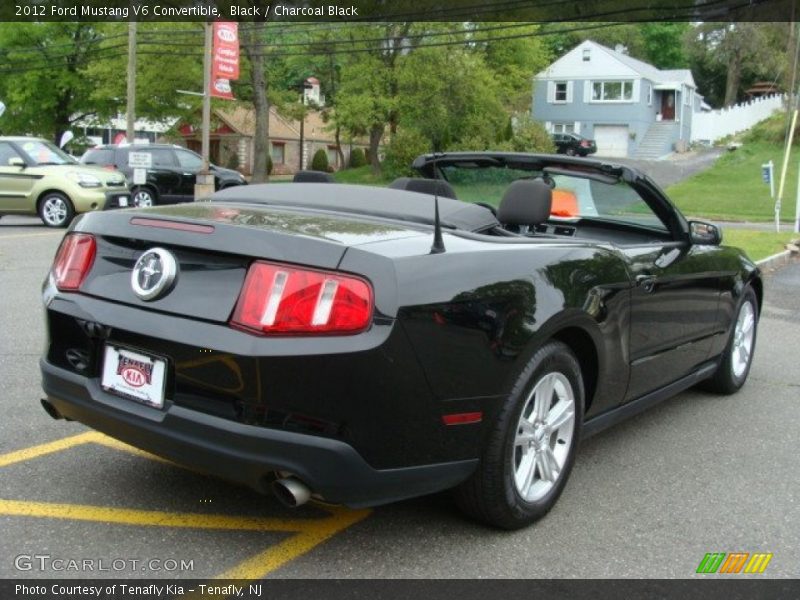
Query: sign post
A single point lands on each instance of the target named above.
(797, 205)
(767, 174)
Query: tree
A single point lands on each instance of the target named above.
(252, 38)
(736, 53)
(44, 82)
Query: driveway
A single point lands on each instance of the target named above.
(677, 167)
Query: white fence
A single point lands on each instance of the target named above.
(711, 126)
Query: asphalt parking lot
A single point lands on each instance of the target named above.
(647, 499)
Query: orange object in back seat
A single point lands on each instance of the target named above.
(565, 204)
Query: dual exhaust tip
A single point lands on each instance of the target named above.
(289, 491)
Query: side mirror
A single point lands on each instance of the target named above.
(704, 234)
(16, 161)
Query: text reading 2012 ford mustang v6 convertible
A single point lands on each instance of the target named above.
(356, 345)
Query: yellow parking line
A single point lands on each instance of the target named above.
(110, 442)
(24, 235)
(150, 518)
(313, 533)
(48, 448)
(308, 532)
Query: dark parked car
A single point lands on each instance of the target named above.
(352, 344)
(172, 176)
(573, 144)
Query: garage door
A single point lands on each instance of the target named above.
(612, 140)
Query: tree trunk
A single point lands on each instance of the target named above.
(255, 53)
(733, 79)
(337, 136)
(375, 135)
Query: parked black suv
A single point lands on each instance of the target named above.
(172, 176)
(573, 144)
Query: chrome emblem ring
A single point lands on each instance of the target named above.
(153, 274)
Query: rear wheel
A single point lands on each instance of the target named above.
(570, 151)
(531, 448)
(143, 197)
(738, 355)
(56, 210)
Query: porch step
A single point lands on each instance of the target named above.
(657, 141)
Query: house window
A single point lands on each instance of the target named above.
(587, 54)
(649, 95)
(612, 91)
(561, 91)
(563, 127)
(278, 153)
(688, 96)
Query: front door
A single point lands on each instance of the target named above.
(15, 181)
(674, 305)
(668, 105)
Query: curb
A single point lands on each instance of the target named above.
(775, 261)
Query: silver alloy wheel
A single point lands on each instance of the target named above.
(743, 337)
(544, 436)
(54, 211)
(142, 198)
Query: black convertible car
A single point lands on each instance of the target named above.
(360, 345)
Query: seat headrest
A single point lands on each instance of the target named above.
(312, 177)
(431, 187)
(525, 202)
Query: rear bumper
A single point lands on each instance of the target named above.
(242, 453)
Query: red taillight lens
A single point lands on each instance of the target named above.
(284, 300)
(73, 261)
(585, 144)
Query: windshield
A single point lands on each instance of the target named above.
(45, 153)
(573, 197)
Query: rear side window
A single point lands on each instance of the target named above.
(162, 157)
(98, 156)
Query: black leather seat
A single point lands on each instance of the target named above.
(525, 204)
(431, 187)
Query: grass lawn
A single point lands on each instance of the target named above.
(757, 244)
(732, 189)
(360, 176)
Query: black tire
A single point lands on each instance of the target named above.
(143, 197)
(55, 210)
(492, 493)
(732, 374)
(570, 152)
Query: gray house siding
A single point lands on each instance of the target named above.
(562, 95)
(636, 114)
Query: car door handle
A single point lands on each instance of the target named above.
(647, 283)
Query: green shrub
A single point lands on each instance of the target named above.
(406, 145)
(772, 130)
(320, 161)
(357, 158)
(530, 136)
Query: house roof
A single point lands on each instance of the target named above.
(641, 68)
(240, 119)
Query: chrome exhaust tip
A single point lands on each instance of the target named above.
(291, 492)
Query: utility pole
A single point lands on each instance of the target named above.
(130, 134)
(204, 185)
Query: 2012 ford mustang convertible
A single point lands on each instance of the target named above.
(362, 345)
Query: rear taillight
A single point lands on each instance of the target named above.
(73, 261)
(283, 300)
(584, 144)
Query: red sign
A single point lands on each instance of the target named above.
(224, 58)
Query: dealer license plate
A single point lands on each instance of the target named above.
(134, 375)
(123, 201)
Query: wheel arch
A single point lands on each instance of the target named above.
(758, 287)
(51, 190)
(583, 346)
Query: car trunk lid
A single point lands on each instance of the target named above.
(213, 246)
